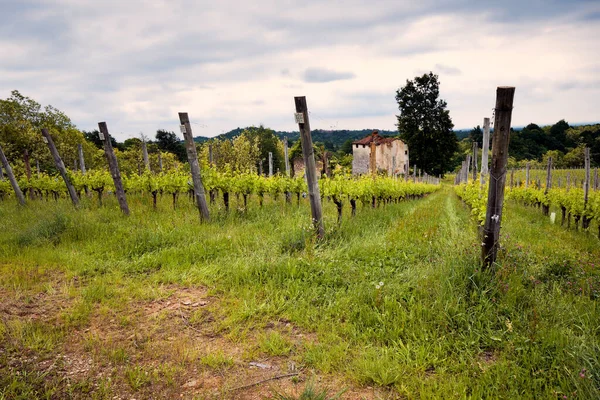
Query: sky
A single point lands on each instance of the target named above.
(136, 64)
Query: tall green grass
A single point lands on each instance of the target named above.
(393, 297)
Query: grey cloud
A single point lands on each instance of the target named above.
(448, 70)
(320, 75)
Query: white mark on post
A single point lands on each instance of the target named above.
(495, 218)
(299, 118)
(182, 128)
(101, 135)
(44, 139)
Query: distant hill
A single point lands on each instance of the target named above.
(335, 138)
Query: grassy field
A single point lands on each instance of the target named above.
(392, 304)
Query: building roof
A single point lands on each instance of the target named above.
(374, 137)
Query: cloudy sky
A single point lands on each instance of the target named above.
(135, 64)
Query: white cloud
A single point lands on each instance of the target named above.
(136, 64)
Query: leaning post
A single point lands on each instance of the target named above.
(192, 154)
(60, 166)
(546, 208)
(113, 165)
(310, 166)
(500, 140)
(11, 178)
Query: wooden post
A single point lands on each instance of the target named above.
(484, 150)
(60, 166)
(160, 165)
(596, 183)
(28, 170)
(414, 173)
(393, 167)
(145, 155)
(210, 155)
(546, 208)
(1, 173)
(527, 166)
(475, 148)
(586, 188)
(493, 219)
(373, 158)
(467, 168)
(81, 159)
(12, 179)
(568, 185)
(309, 164)
(186, 129)
(287, 159)
(512, 177)
(407, 165)
(270, 164)
(113, 165)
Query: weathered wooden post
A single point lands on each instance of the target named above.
(186, 129)
(406, 173)
(596, 183)
(586, 189)
(12, 179)
(415, 173)
(493, 218)
(393, 167)
(474, 159)
(467, 168)
(527, 166)
(113, 165)
(145, 155)
(81, 158)
(512, 177)
(373, 157)
(210, 155)
(568, 184)
(484, 150)
(160, 164)
(270, 164)
(60, 166)
(27, 163)
(1, 173)
(309, 164)
(546, 208)
(287, 158)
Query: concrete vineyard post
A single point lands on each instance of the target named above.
(113, 165)
(60, 166)
(493, 219)
(286, 156)
(546, 208)
(484, 150)
(145, 155)
(186, 129)
(11, 178)
(586, 189)
(309, 163)
(28, 170)
(475, 148)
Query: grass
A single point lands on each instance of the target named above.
(393, 298)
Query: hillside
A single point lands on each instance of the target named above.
(335, 137)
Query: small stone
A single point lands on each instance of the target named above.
(186, 302)
(191, 384)
(260, 365)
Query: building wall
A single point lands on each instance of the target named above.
(360, 159)
(384, 157)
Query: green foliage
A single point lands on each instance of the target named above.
(425, 125)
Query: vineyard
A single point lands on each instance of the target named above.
(569, 202)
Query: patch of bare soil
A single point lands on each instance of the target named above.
(172, 347)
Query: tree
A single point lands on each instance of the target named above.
(476, 135)
(168, 141)
(425, 125)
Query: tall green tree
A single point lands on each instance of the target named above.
(425, 125)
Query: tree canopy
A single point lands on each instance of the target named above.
(425, 125)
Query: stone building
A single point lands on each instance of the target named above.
(385, 154)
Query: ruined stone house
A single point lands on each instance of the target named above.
(379, 153)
